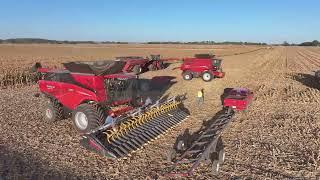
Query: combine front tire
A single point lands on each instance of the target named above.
(87, 117)
(54, 111)
(206, 76)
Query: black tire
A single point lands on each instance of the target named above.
(54, 111)
(151, 67)
(215, 167)
(317, 74)
(187, 75)
(206, 76)
(87, 117)
(181, 145)
(137, 69)
(221, 156)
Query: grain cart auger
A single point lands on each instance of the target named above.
(206, 145)
(136, 128)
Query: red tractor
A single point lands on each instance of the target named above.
(204, 65)
(137, 64)
(87, 91)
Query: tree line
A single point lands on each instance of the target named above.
(311, 43)
(208, 43)
(47, 41)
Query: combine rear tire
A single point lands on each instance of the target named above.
(187, 75)
(87, 117)
(54, 111)
(206, 76)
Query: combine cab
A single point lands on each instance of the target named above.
(202, 65)
(137, 64)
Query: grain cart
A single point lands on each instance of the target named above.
(202, 65)
(206, 145)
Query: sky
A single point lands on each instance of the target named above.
(270, 21)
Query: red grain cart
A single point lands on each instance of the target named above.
(238, 99)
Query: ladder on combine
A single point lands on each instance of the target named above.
(207, 147)
(136, 128)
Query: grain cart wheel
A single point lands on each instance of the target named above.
(206, 76)
(187, 75)
(137, 69)
(54, 111)
(171, 155)
(215, 167)
(220, 151)
(87, 117)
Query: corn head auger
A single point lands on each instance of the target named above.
(136, 128)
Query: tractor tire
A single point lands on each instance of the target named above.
(206, 76)
(151, 67)
(54, 111)
(187, 76)
(87, 117)
(137, 69)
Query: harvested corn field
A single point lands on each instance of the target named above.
(277, 138)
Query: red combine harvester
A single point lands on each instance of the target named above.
(90, 90)
(206, 144)
(204, 65)
(137, 64)
(87, 90)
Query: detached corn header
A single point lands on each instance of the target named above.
(136, 128)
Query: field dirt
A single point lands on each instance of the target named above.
(278, 138)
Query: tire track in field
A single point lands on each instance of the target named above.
(295, 62)
(310, 59)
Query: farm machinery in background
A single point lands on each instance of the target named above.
(138, 64)
(205, 66)
(206, 145)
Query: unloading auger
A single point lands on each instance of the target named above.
(136, 128)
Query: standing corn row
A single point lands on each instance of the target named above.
(14, 78)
